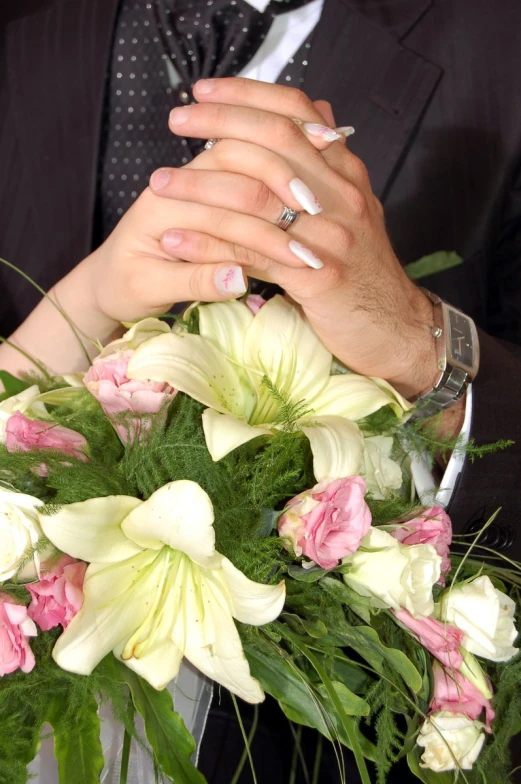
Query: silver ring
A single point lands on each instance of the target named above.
(287, 218)
(210, 143)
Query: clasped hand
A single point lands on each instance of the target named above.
(198, 230)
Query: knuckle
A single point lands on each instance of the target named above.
(301, 102)
(260, 198)
(196, 283)
(334, 276)
(358, 203)
(358, 170)
(285, 130)
(338, 236)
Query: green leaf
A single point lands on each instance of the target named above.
(12, 385)
(361, 605)
(430, 265)
(77, 745)
(306, 575)
(171, 742)
(351, 703)
(315, 628)
(365, 641)
(297, 697)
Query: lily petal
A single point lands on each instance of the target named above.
(137, 334)
(193, 365)
(355, 397)
(224, 433)
(281, 344)
(159, 665)
(252, 603)
(206, 633)
(380, 472)
(91, 530)
(180, 515)
(225, 324)
(114, 605)
(337, 445)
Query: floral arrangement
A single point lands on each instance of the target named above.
(225, 491)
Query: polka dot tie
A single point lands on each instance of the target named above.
(156, 44)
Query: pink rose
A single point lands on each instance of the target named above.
(433, 527)
(58, 596)
(255, 302)
(15, 629)
(456, 694)
(327, 522)
(23, 435)
(441, 639)
(107, 380)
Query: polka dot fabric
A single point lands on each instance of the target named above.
(199, 38)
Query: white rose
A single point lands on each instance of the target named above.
(21, 402)
(19, 532)
(450, 740)
(394, 575)
(381, 474)
(485, 614)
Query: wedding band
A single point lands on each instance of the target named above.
(210, 143)
(287, 218)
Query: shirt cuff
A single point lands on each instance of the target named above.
(422, 476)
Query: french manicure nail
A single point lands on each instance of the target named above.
(179, 115)
(205, 86)
(172, 239)
(305, 254)
(325, 133)
(305, 197)
(230, 280)
(159, 179)
(346, 130)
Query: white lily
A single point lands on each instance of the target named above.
(156, 589)
(225, 367)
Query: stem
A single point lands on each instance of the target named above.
(297, 752)
(318, 760)
(245, 738)
(244, 755)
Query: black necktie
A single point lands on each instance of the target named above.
(201, 39)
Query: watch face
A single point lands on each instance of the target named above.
(461, 338)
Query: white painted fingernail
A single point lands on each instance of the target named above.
(305, 197)
(230, 280)
(325, 133)
(346, 130)
(305, 254)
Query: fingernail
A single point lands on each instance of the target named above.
(179, 115)
(159, 179)
(230, 280)
(325, 133)
(172, 239)
(305, 254)
(205, 86)
(305, 197)
(346, 130)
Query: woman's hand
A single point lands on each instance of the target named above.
(353, 290)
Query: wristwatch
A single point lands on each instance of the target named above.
(457, 351)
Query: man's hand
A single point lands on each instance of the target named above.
(360, 301)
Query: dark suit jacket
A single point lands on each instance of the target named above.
(432, 89)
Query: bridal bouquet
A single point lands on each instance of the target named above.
(225, 491)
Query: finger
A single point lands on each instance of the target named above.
(180, 282)
(238, 229)
(198, 248)
(325, 110)
(264, 197)
(278, 99)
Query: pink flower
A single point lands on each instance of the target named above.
(255, 302)
(15, 629)
(23, 435)
(58, 596)
(107, 380)
(327, 522)
(433, 527)
(441, 639)
(456, 694)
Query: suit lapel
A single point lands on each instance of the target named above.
(375, 83)
(57, 61)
